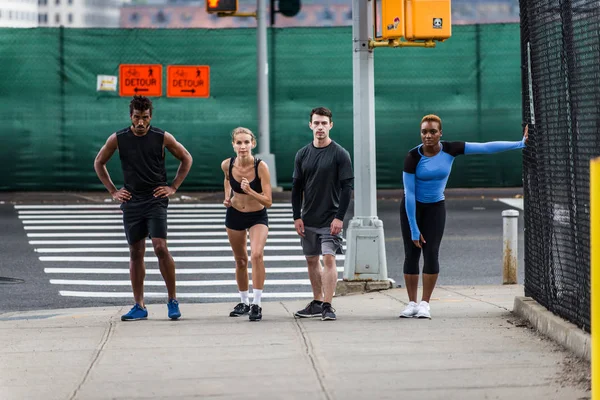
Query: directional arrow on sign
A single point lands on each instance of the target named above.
(140, 90)
(180, 81)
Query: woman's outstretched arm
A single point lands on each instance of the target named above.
(496, 147)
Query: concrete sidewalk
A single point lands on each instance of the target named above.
(473, 348)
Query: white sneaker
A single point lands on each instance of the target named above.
(423, 310)
(410, 310)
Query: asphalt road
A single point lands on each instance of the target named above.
(57, 272)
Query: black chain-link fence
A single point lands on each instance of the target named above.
(560, 43)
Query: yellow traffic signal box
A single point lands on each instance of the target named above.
(221, 6)
(428, 19)
(389, 19)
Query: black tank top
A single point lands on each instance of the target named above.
(254, 185)
(142, 160)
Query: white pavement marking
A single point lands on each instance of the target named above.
(516, 203)
(120, 226)
(179, 271)
(116, 206)
(231, 282)
(149, 242)
(269, 295)
(120, 216)
(120, 221)
(97, 228)
(181, 259)
(170, 234)
(151, 250)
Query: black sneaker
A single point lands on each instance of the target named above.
(255, 313)
(240, 309)
(328, 313)
(313, 309)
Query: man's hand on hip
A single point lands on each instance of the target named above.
(164, 191)
(121, 195)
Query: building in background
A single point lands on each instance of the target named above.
(19, 13)
(80, 13)
(192, 14)
(67, 13)
(484, 11)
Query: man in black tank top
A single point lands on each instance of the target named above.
(145, 196)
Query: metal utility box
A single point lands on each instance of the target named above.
(365, 254)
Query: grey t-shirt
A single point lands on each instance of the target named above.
(321, 170)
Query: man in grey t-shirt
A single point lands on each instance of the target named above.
(322, 189)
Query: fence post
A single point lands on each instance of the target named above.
(510, 222)
(594, 273)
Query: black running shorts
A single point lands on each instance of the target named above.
(144, 218)
(240, 221)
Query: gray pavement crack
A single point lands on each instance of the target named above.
(309, 352)
(394, 298)
(107, 335)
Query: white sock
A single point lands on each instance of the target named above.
(257, 293)
(244, 296)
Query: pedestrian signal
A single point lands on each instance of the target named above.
(428, 19)
(389, 19)
(412, 19)
(221, 6)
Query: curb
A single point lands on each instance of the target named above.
(564, 333)
(346, 287)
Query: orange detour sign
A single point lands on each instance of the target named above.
(188, 81)
(140, 79)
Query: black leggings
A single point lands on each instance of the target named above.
(431, 220)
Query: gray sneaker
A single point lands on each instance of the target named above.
(328, 313)
(313, 309)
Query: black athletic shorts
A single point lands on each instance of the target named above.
(240, 221)
(145, 217)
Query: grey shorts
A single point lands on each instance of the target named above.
(317, 241)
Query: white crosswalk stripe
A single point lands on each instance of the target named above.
(85, 254)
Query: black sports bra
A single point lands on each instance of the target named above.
(254, 185)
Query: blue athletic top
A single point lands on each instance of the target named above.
(425, 177)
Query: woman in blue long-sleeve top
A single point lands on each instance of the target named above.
(423, 213)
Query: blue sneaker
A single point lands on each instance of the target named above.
(136, 313)
(173, 306)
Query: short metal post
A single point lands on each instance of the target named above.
(510, 222)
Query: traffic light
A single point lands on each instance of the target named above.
(221, 6)
(289, 8)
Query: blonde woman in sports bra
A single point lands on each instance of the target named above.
(247, 187)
